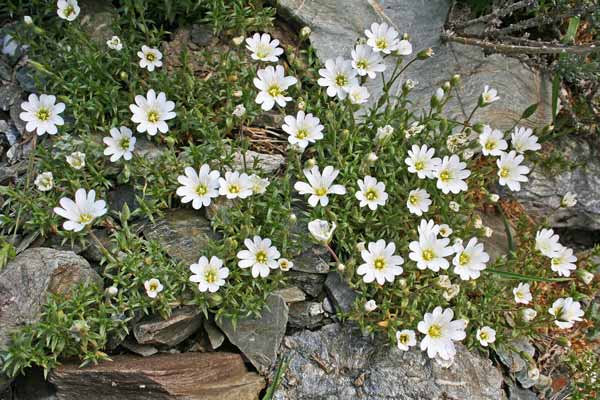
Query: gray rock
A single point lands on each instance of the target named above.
(144, 350)
(510, 357)
(184, 234)
(97, 18)
(9, 94)
(215, 336)
(496, 245)
(341, 295)
(337, 362)
(26, 77)
(26, 282)
(259, 338)
(180, 325)
(517, 393)
(32, 386)
(314, 259)
(291, 294)
(10, 132)
(541, 196)
(5, 69)
(15, 111)
(336, 24)
(120, 195)
(311, 284)
(148, 149)
(267, 163)
(306, 314)
(202, 35)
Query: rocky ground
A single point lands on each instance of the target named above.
(298, 348)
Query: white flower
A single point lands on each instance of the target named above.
(120, 143)
(384, 133)
(528, 314)
(238, 40)
(321, 231)
(568, 200)
(510, 170)
(566, 311)
(564, 262)
(585, 276)
(414, 129)
(44, 181)
(259, 185)
(487, 231)
(272, 84)
(199, 188)
(263, 48)
(239, 111)
(418, 201)
(302, 129)
(372, 157)
(470, 261)
(28, 20)
(477, 222)
(338, 77)
(42, 114)
(439, 94)
(370, 305)
(486, 335)
(209, 275)
(358, 94)
(68, 9)
(235, 185)
(151, 112)
(153, 287)
(443, 281)
(451, 292)
(489, 95)
(454, 206)
(382, 38)
(427, 227)
(260, 255)
(441, 333)
(114, 43)
(380, 263)
(404, 48)
(285, 264)
(420, 161)
(367, 62)
(76, 160)
(82, 211)
(492, 142)
(445, 230)
(546, 242)
(429, 252)
(371, 193)
(319, 185)
(406, 339)
(494, 197)
(522, 293)
(451, 175)
(523, 140)
(409, 84)
(150, 58)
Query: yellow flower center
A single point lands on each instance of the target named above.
(556, 261)
(153, 116)
(490, 145)
(504, 172)
(263, 51)
(381, 43)
(125, 144)
(85, 218)
(153, 286)
(464, 258)
(302, 134)
(321, 191)
(379, 263)
(419, 165)
(210, 276)
(403, 339)
(341, 80)
(233, 188)
(275, 91)
(371, 195)
(483, 336)
(520, 295)
(150, 57)
(43, 114)
(486, 97)
(445, 176)
(261, 257)
(283, 264)
(362, 64)
(428, 255)
(201, 190)
(413, 200)
(69, 10)
(435, 331)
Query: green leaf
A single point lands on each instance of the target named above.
(521, 277)
(529, 111)
(569, 37)
(555, 89)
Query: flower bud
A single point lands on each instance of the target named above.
(585, 276)
(370, 305)
(493, 197)
(341, 267)
(487, 231)
(293, 218)
(478, 127)
(425, 54)
(27, 19)
(215, 299)
(372, 157)
(568, 200)
(111, 291)
(528, 314)
(311, 162)
(360, 246)
(455, 80)
(446, 86)
(238, 40)
(123, 76)
(305, 32)
(443, 281)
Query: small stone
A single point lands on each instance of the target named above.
(202, 35)
(9, 94)
(26, 77)
(215, 336)
(5, 70)
(291, 294)
(97, 18)
(144, 350)
(148, 149)
(267, 163)
(306, 314)
(180, 325)
(341, 295)
(259, 338)
(311, 284)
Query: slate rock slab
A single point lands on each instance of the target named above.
(184, 234)
(180, 325)
(26, 282)
(259, 338)
(340, 293)
(336, 24)
(189, 376)
(541, 196)
(337, 362)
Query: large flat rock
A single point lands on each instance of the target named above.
(337, 362)
(189, 376)
(336, 24)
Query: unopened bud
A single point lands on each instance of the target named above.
(238, 40)
(425, 54)
(305, 32)
(341, 267)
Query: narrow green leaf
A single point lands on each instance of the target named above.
(529, 111)
(569, 37)
(521, 277)
(555, 89)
